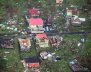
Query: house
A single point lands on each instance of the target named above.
(59, 1)
(71, 12)
(82, 19)
(25, 44)
(36, 25)
(75, 21)
(43, 54)
(54, 41)
(32, 62)
(34, 12)
(46, 55)
(6, 42)
(42, 40)
(76, 67)
(75, 12)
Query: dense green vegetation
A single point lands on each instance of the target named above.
(68, 48)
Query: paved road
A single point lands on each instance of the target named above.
(70, 33)
(50, 33)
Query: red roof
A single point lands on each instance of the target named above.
(42, 36)
(36, 21)
(33, 65)
(33, 12)
(59, 1)
(75, 12)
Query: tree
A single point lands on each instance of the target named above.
(3, 67)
